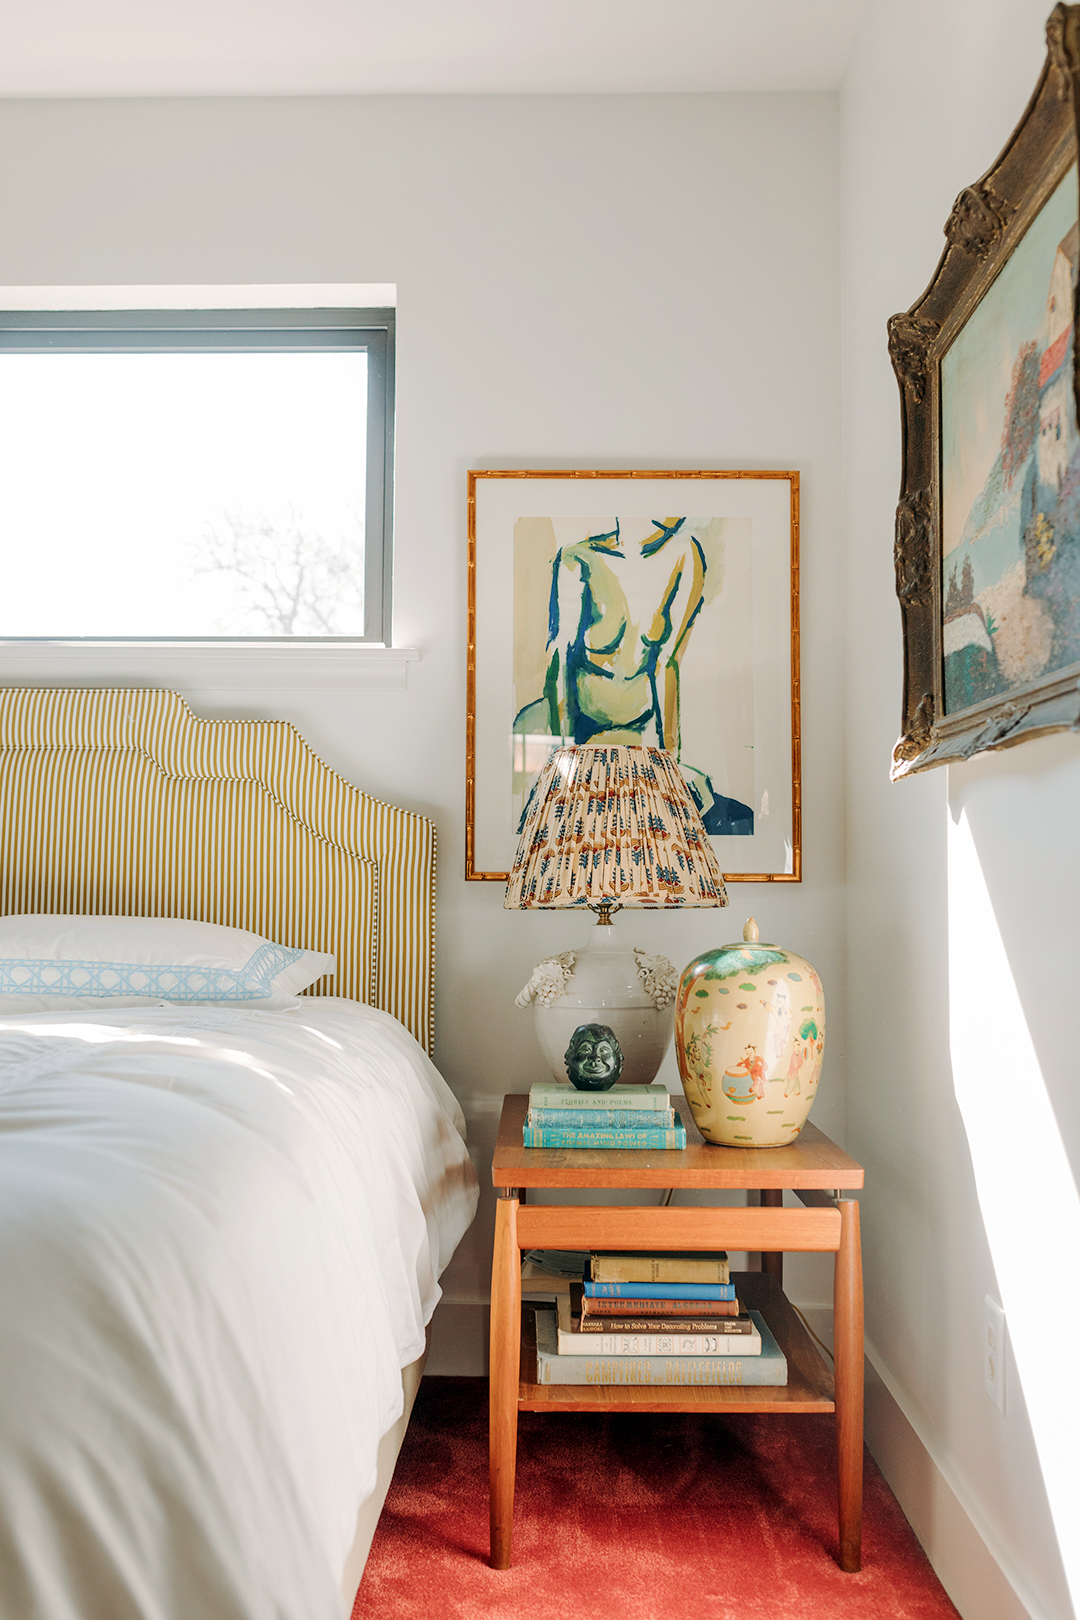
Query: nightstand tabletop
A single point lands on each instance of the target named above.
(810, 1161)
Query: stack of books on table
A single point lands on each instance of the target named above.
(655, 1319)
(621, 1117)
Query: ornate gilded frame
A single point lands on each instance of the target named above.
(984, 228)
(473, 871)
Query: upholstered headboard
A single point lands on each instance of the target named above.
(124, 803)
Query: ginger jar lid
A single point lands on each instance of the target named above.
(746, 954)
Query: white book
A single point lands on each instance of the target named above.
(553, 1094)
(650, 1344)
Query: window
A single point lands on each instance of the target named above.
(196, 474)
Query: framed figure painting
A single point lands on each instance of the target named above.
(637, 608)
(988, 526)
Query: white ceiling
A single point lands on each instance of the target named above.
(300, 47)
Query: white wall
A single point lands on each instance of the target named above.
(605, 281)
(968, 1187)
(582, 281)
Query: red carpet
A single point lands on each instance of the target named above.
(635, 1517)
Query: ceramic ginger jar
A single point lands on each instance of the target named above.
(749, 1033)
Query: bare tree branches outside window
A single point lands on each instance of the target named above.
(289, 581)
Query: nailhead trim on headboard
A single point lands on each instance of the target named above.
(123, 802)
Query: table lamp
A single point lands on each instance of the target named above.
(607, 827)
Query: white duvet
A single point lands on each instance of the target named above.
(220, 1238)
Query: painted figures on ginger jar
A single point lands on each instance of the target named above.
(750, 1033)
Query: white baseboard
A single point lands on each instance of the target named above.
(933, 1503)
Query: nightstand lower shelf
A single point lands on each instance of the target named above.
(809, 1387)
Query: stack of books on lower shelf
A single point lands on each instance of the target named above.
(655, 1319)
(622, 1117)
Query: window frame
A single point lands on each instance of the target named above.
(237, 331)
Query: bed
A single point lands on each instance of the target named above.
(224, 1205)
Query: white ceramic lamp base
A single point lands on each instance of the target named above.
(606, 982)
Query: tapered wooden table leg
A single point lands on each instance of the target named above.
(504, 1375)
(772, 1263)
(848, 1346)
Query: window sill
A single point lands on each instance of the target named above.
(202, 665)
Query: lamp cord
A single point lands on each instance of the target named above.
(819, 1342)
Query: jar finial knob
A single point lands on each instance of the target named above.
(750, 931)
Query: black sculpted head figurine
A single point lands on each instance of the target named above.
(594, 1057)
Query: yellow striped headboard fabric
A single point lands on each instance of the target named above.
(122, 802)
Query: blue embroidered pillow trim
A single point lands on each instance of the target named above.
(171, 981)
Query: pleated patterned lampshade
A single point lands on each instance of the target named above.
(610, 823)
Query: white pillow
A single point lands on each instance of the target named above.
(74, 963)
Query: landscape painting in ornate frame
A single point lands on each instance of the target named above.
(988, 526)
(645, 608)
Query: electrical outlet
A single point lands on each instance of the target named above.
(994, 1346)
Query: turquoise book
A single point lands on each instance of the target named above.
(580, 1136)
(550, 1094)
(659, 1290)
(602, 1119)
(770, 1367)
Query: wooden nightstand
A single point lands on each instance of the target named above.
(813, 1167)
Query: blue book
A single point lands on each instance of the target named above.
(602, 1119)
(770, 1367)
(560, 1136)
(643, 1290)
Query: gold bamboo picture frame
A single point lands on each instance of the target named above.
(600, 607)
